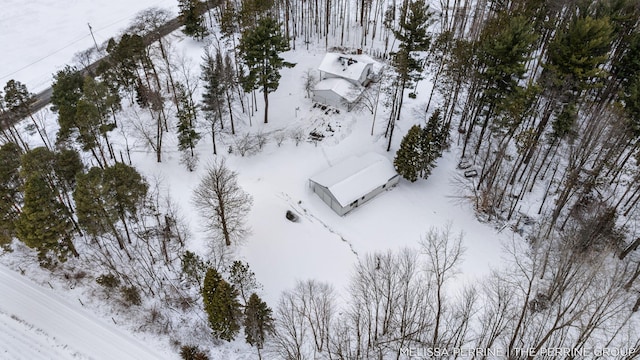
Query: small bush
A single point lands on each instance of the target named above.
(190, 352)
(280, 137)
(109, 281)
(131, 295)
(297, 135)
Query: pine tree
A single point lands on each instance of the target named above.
(43, 224)
(187, 135)
(213, 95)
(66, 91)
(10, 184)
(258, 322)
(243, 279)
(17, 98)
(260, 47)
(191, 14)
(119, 69)
(67, 164)
(221, 306)
(432, 142)
(576, 53)
(106, 196)
(409, 158)
(413, 37)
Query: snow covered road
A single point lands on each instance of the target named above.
(36, 323)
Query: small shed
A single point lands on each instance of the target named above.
(337, 92)
(352, 68)
(354, 181)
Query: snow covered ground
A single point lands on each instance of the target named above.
(39, 37)
(322, 246)
(36, 323)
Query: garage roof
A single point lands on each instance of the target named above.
(355, 177)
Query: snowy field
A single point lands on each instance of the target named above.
(321, 246)
(39, 37)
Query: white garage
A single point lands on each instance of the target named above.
(354, 181)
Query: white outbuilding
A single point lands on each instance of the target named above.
(354, 181)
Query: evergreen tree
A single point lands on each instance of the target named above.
(260, 47)
(17, 99)
(213, 95)
(576, 53)
(90, 207)
(243, 279)
(258, 322)
(106, 196)
(413, 37)
(229, 21)
(66, 91)
(221, 306)
(191, 14)
(432, 142)
(67, 165)
(252, 10)
(43, 224)
(409, 158)
(187, 135)
(10, 195)
(420, 149)
(119, 69)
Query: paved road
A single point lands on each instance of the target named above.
(37, 324)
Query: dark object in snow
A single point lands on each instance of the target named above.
(316, 136)
(470, 173)
(291, 216)
(412, 95)
(464, 164)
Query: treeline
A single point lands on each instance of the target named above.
(547, 296)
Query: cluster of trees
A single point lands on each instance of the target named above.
(547, 104)
(547, 296)
(230, 304)
(420, 148)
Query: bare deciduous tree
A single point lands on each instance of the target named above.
(223, 203)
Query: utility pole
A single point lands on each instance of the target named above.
(93, 37)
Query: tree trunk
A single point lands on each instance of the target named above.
(266, 104)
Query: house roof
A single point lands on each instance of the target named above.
(347, 90)
(349, 67)
(355, 177)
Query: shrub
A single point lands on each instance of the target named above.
(109, 281)
(190, 352)
(131, 295)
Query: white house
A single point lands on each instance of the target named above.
(342, 79)
(337, 92)
(353, 68)
(354, 181)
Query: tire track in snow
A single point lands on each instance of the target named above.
(302, 211)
